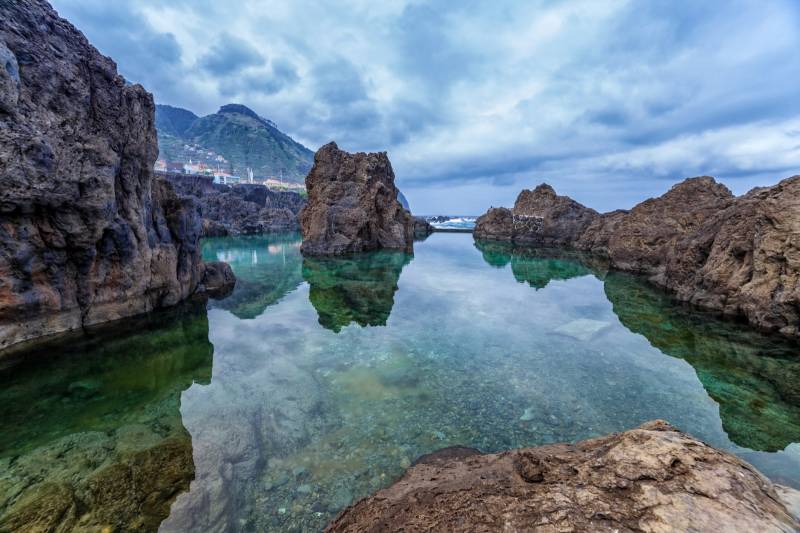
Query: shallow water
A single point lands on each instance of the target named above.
(319, 380)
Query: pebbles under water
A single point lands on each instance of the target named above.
(329, 377)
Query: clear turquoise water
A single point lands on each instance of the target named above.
(319, 380)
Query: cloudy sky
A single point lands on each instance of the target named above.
(609, 101)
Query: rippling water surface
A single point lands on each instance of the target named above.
(320, 380)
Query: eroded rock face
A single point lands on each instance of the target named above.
(539, 217)
(352, 205)
(240, 210)
(739, 256)
(422, 228)
(87, 234)
(218, 279)
(543, 217)
(653, 478)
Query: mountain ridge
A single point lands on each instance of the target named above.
(239, 135)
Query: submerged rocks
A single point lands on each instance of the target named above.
(352, 205)
(653, 478)
(87, 234)
(736, 255)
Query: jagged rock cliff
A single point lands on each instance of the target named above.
(653, 478)
(87, 234)
(352, 205)
(736, 255)
(241, 210)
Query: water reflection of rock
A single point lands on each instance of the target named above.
(97, 441)
(753, 377)
(535, 266)
(267, 268)
(358, 288)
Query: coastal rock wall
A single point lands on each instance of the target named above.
(653, 478)
(352, 205)
(87, 234)
(736, 255)
(242, 209)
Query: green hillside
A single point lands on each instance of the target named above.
(239, 135)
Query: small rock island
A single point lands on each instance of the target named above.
(353, 206)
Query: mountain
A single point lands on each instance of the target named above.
(173, 120)
(235, 138)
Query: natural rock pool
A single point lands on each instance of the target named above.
(320, 380)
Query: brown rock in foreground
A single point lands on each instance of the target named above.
(653, 478)
(736, 255)
(87, 235)
(352, 205)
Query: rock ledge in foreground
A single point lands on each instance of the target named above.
(653, 478)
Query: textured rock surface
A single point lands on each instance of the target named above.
(422, 227)
(352, 205)
(218, 279)
(86, 234)
(653, 478)
(240, 210)
(542, 217)
(736, 255)
(539, 217)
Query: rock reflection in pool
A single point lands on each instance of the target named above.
(755, 378)
(358, 288)
(267, 269)
(299, 419)
(91, 435)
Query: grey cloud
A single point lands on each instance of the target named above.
(229, 55)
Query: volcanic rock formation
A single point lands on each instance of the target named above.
(86, 234)
(246, 209)
(653, 478)
(736, 255)
(352, 205)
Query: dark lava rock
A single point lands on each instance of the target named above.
(352, 205)
(245, 209)
(736, 255)
(539, 217)
(653, 478)
(421, 227)
(87, 234)
(218, 279)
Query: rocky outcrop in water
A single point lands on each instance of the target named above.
(352, 205)
(87, 234)
(736, 255)
(653, 478)
(539, 217)
(242, 209)
(422, 228)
